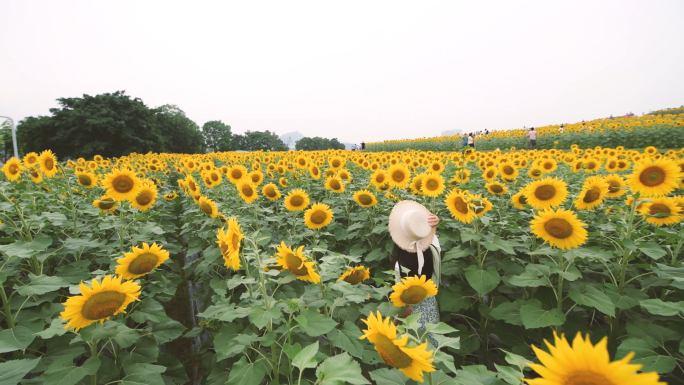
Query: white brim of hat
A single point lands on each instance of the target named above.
(396, 232)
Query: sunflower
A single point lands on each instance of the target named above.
(365, 198)
(435, 167)
(355, 275)
(297, 200)
(560, 228)
(229, 243)
(334, 184)
(345, 175)
(171, 196)
(433, 185)
(593, 192)
(236, 173)
(247, 190)
(336, 162)
(379, 178)
(458, 205)
(146, 197)
(654, 178)
(122, 185)
(490, 174)
(412, 291)
(417, 184)
(616, 184)
(412, 361)
(661, 205)
(256, 177)
(30, 159)
(318, 216)
(207, 206)
(35, 175)
(48, 163)
(546, 193)
(479, 204)
(141, 261)
(283, 182)
(399, 176)
(586, 364)
(463, 175)
(496, 188)
(315, 172)
(105, 204)
(100, 302)
(592, 165)
(508, 171)
(548, 165)
(271, 192)
(12, 169)
(193, 187)
(519, 200)
(296, 263)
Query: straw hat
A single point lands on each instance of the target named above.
(408, 226)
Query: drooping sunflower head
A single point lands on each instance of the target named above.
(655, 178)
(496, 188)
(271, 192)
(296, 200)
(207, 206)
(297, 263)
(355, 275)
(318, 216)
(546, 193)
(365, 198)
(141, 261)
(247, 190)
(560, 228)
(122, 185)
(229, 242)
(99, 302)
(170, 196)
(412, 291)
(459, 207)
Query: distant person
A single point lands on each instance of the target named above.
(353, 147)
(486, 132)
(471, 142)
(533, 138)
(363, 146)
(465, 140)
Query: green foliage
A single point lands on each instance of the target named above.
(259, 141)
(180, 134)
(217, 136)
(437, 144)
(317, 143)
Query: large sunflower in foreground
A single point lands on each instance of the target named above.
(412, 361)
(12, 169)
(355, 275)
(412, 291)
(458, 205)
(318, 216)
(296, 200)
(593, 193)
(560, 228)
(365, 198)
(229, 243)
(122, 185)
(586, 364)
(208, 206)
(271, 192)
(48, 163)
(247, 190)
(546, 193)
(654, 178)
(100, 302)
(297, 263)
(661, 205)
(141, 261)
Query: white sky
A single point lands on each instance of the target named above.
(355, 70)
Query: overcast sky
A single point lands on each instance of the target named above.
(355, 70)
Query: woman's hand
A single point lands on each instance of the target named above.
(433, 220)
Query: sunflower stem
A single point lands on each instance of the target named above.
(94, 354)
(559, 293)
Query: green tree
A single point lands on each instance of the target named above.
(7, 147)
(257, 140)
(180, 134)
(107, 124)
(217, 136)
(317, 143)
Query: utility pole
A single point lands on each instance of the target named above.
(14, 136)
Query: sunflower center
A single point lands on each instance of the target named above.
(398, 176)
(652, 176)
(592, 195)
(122, 184)
(496, 189)
(336, 163)
(247, 190)
(192, 185)
(214, 177)
(536, 172)
(103, 305)
(318, 217)
(106, 204)
(365, 199)
(508, 170)
(296, 265)
(390, 353)
(236, 241)
(255, 178)
(49, 164)
(206, 208)
(236, 174)
(432, 185)
(490, 174)
(613, 186)
(548, 165)
(588, 378)
(658, 208)
(354, 277)
(13, 169)
(436, 167)
(545, 192)
(143, 264)
(297, 200)
(84, 180)
(270, 192)
(461, 205)
(558, 228)
(144, 198)
(413, 295)
(480, 206)
(522, 199)
(31, 160)
(380, 178)
(335, 185)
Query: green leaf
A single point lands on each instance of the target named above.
(457, 253)
(450, 342)
(306, 358)
(659, 307)
(27, 249)
(317, 324)
(16, 338)
(56, 329)
(652, 249)
(533, 316)
(514, 359)
(508, 374)
(340, 369)
(65, 372)
(149, 310)
(509, 312)
(41, 284)
(167, 331)
(347, 338)
(292, 350)
(224, 342)
(534, 276)
(386, 376)
(590, 296)
(440, 328)
(483, 281)
(11, 372)
(645, 354)
(260, 317)
(146, 350)
(245, 373)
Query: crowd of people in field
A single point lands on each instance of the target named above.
(470, 138)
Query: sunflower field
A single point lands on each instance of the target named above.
(558, 267)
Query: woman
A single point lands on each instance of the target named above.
(416, 253)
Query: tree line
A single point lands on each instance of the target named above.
(115, 124)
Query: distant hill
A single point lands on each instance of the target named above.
(291, 138)
(451, 132)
